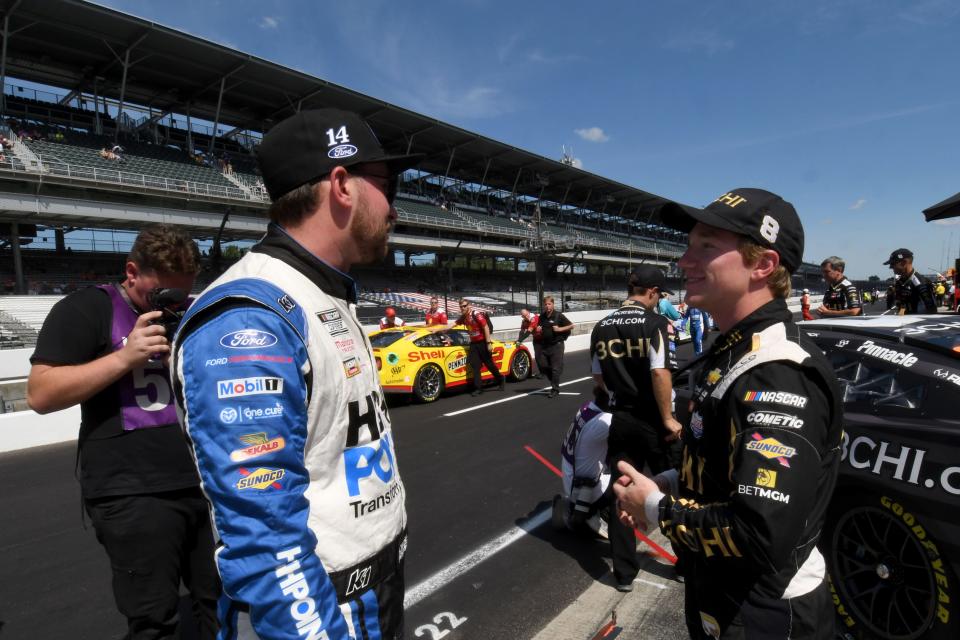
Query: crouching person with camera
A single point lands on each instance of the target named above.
(106, 348)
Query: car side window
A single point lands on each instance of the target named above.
(430, 340)
(870, 385)
(460, 338)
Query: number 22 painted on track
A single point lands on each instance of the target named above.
(435, 631)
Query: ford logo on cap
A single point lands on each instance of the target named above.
(248, 339)
(342, 151)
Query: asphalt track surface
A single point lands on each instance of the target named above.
(483, 560)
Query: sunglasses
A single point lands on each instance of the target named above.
(392, 182)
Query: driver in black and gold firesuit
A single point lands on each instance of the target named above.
(762, 449)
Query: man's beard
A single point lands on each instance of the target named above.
(369, 233)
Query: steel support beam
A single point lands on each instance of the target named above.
(3, 60)
(216, 118)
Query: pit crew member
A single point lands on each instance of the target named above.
(390, 319)
(435, 316)
(633, 353)
(912, 292)
(842, 297)
(478, 353)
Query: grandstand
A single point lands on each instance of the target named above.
(134, 123)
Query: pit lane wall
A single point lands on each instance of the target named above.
(28, 429)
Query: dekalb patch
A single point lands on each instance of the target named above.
(261, 479)
(257, 445)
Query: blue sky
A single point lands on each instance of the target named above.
(846, 108)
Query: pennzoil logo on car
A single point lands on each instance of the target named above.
(257, 445)
(771, 449)
(261, 478)
(457, 365)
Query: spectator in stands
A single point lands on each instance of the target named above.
(117, 152)
(434, 316)
(554, 329)
(480, 340)
(390, 319)
(103, 349)
(529, 326)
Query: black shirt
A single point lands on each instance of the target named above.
(626, 345)
(112, 461)
(841, 296)
(911, 292)
(550, 320)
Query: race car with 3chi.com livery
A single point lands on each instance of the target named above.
(892, 539)
(418, 361)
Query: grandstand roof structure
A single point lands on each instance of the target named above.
(75, 44)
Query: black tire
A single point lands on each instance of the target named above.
(884, 569)
(428, 383)
(520, 366)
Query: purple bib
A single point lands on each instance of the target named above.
(145, 397)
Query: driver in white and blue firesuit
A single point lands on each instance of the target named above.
(699, 322)
(586, 476)
(762, 448)
(278, 392)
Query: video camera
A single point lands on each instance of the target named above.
(167, 301)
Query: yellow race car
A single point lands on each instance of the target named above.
(423, 362)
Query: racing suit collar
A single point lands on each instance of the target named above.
(770, 313)
(278, 244)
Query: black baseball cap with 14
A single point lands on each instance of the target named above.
(309, 144)
(764, 217)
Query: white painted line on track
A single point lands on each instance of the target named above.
(440, 579)
(653, 584)
(517, 397)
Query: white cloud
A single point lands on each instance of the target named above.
(695, 40)
(592, 134)
(269, 22)
(947, 222)
(858, 204)
(577, 163)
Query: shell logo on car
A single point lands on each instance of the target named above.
(426, 362)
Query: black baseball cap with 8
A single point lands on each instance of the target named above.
(648, 276)
(899, 255)
(764, 217)
(308, 145)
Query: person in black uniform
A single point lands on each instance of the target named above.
(554, 328)
(911, 289)
(762, 449)
(101, 348)
(633, 352)
(842, 297)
